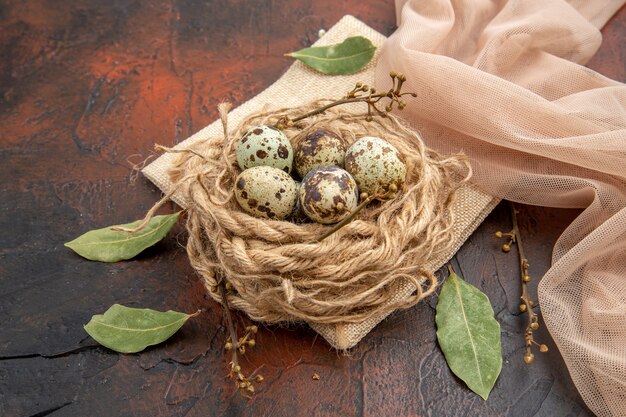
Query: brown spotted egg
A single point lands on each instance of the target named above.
(328, 194)
(375, 164)
(318, 148)
(264, 146)
(268, 192)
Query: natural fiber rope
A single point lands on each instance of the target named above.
(277, 273)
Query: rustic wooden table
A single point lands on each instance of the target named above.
(87, 85)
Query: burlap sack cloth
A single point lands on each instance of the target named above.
(505, 82)
(300, 85)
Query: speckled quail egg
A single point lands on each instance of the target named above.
(319, 148)
(264, 146)
(375, 164)
(328, 194)
(268, 192)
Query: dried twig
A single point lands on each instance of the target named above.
(238, 346)
(527, 303)
(365, 94)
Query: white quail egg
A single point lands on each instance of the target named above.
(264, 191)
(375, 164)
(265, 146)
(319, 148)
(328, 194)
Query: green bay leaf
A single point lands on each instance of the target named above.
(343, 58)
(109, 245)
(130, 330)
(469, 335)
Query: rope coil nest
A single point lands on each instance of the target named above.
(277, 271)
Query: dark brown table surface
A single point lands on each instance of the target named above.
(87, 85)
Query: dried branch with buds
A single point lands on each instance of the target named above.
(527, 304)
(238, 346)
(365, 94)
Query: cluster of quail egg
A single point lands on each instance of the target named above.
(321, 179)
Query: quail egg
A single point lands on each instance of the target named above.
(268, 192)
(319, 148)
(375, 164)
(264, 146)
(328, 194)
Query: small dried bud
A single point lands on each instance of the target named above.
(529, 358)
(393, 188)
(402, 77)
(252, 329)
(250, 389)
(364, 196)
(498, 234)
(251, 342)
(532, 303)
(229, 286)
(534, 325)
(506, 247)
(228, 345)
(393, 74)
(280, 126)
(242, 349)
(237, 368)
(339, 206)
(543, 348)
(526, 278)
(522, 308)
(372, 90)
(259, 378)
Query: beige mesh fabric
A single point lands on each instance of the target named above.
(503, 81)
(300, 85)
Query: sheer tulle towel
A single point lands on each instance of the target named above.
(504, 81)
